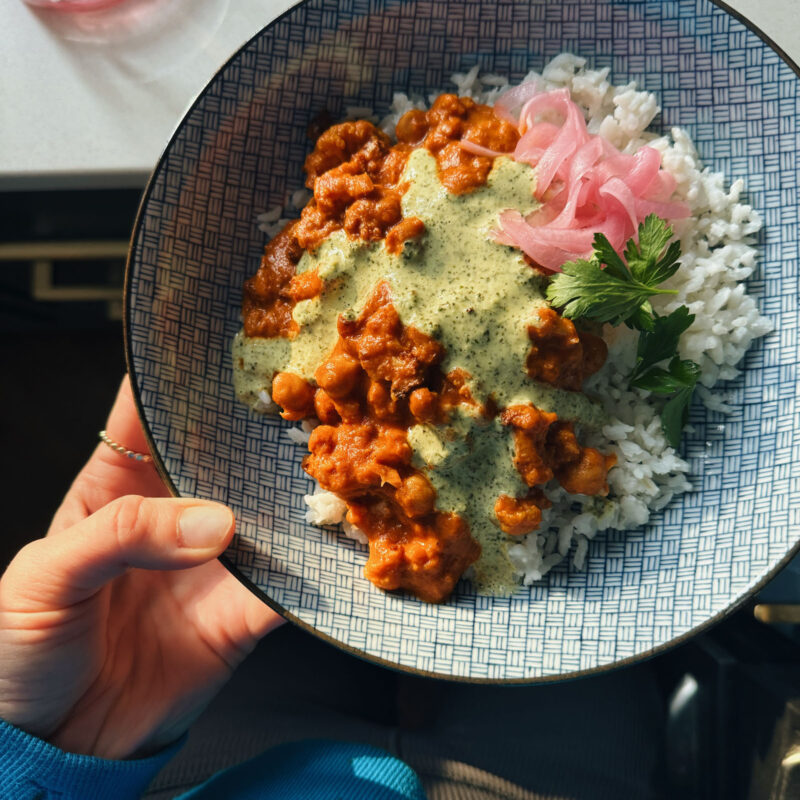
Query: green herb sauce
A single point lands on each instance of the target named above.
(474, 296)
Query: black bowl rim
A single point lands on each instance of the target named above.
(672, 643)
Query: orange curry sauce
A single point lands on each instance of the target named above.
(382, 376)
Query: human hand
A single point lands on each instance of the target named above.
(120, 625)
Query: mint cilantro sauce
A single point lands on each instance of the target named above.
(469, 462)
(474, 296)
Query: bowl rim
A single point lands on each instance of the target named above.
(735, 605)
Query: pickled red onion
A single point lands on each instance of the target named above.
(513, 99)
(479, 149)
(586, 185)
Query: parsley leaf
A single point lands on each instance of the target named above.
(606, 254)
(661, 341)
(679, 380)
(686, 371)
(642, 319)
(584, 289)
(657, 381)
(646, 261)
(620, 292)
(675, 415)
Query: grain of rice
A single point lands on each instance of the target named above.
(297, 436)
(264, 404)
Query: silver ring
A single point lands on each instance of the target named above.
(123, 451)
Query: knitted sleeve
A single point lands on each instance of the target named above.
(32, 769)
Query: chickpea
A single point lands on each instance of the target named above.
(412, 126)
(293, 394)
(416, 496)
(349, 410)
(324, 408)
(422, 404)
(338, 375)
(380, 400)
(517, 516)
(588, 475)
(391, 448)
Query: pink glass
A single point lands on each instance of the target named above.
(74, 5)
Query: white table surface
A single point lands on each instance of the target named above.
(92, 101)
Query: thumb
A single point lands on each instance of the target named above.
(132, 531)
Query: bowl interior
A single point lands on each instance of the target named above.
(240, 151)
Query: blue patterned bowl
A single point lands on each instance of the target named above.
(240, 150)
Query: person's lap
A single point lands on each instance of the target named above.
(591, 738)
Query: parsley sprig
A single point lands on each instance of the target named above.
(614, 289)
(679, 381)
(618, 292)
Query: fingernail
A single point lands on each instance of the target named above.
(203, 526)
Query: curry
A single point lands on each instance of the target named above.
(444, 389)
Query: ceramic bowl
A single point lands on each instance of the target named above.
(239, 151)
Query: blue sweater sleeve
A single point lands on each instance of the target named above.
(314, 770)
(31, 769)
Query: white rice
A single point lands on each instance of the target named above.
(273, 220)
(264, 404)
(324, 508)
(297, 435)
(718, 255)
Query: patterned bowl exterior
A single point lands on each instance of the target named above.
(240, 150)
